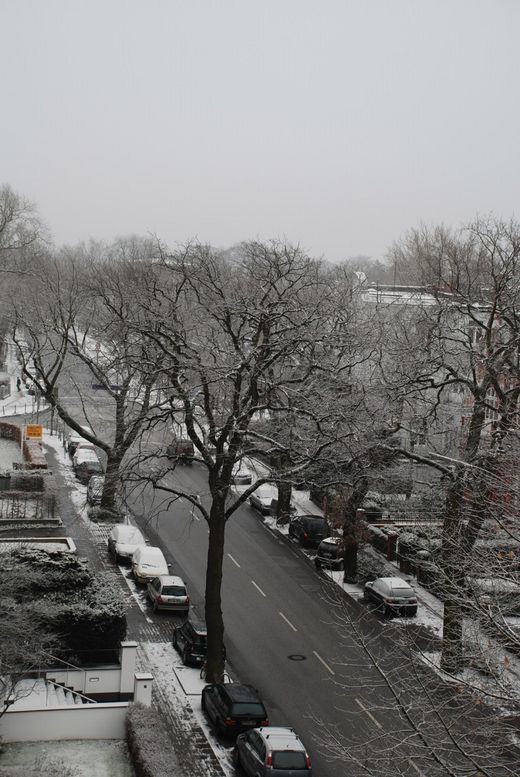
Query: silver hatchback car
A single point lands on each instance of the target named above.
(168, 592)
(272, 751)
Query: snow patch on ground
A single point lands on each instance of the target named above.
(99, 758)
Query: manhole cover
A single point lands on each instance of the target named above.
(296, 657)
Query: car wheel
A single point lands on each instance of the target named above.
(174, 640)
(236, 756)
(185, 657)
(203, 704)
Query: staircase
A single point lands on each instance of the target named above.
(40, 693)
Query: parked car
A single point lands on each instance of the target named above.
(73, 438)
(148, 562)
(330, 553)
(242, 478)
(393, 595)
(95, 489)
(83, 446)
(168, 592)
(309, 530)
(272, 751)
(190, 639)
(181, 450)
(124, 540)
(86, 465)
(261, 499)
(233, 707)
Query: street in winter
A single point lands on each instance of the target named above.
(259, 390)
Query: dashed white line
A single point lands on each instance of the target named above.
(288, 621)
(419, 772)
(258, 588)
(367, 712)
(327, 667)
(234, 560)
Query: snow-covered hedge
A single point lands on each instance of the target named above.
(149, 742)
(86, 612)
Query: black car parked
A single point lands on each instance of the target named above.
(190, 641)
(309, 530)
(329, 554)
(233, 707)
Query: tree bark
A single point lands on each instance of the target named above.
(213, 607)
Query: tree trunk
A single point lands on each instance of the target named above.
(214, 619)
(108, 498)
(452, 655)
(350, 555)
(283, 510)
(452, 567)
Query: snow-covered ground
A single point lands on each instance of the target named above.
(99, 758)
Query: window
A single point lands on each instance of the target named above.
(248, 708)
(289, 759)
(174, 590)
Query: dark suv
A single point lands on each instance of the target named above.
(330, 553)
(233, 708)
(309, 530)
(190, 640)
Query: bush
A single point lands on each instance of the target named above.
(90, 621)
(99, 515)
(60, 594)
(44, 570)
(371, 565)
(149, 742)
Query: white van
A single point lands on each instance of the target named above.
(148, 562)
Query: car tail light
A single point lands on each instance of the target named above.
(160, 599)
(229, 722)
(264, 722)
(305, 535)
(187, 600)
(307, 761)
(269, 759)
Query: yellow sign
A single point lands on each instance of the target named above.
(34, 431)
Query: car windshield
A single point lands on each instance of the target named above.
(252, 708)
(173, 590)
(289, 759)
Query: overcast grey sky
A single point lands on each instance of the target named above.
(338, 124)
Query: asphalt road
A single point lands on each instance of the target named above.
(287, 633)
(286, 628)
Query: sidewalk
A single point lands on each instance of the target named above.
(19, 402)
(176, 688)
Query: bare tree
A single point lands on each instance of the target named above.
(81, 321)
(469, 339)
(241, 339)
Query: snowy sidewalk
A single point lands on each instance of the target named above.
(18, 402)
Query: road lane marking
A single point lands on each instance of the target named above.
(258, 588)
(327, 667)
(288, 621)
(421, 774)
(367, 712)
(234, 560)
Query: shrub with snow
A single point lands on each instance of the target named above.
(149, 742)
